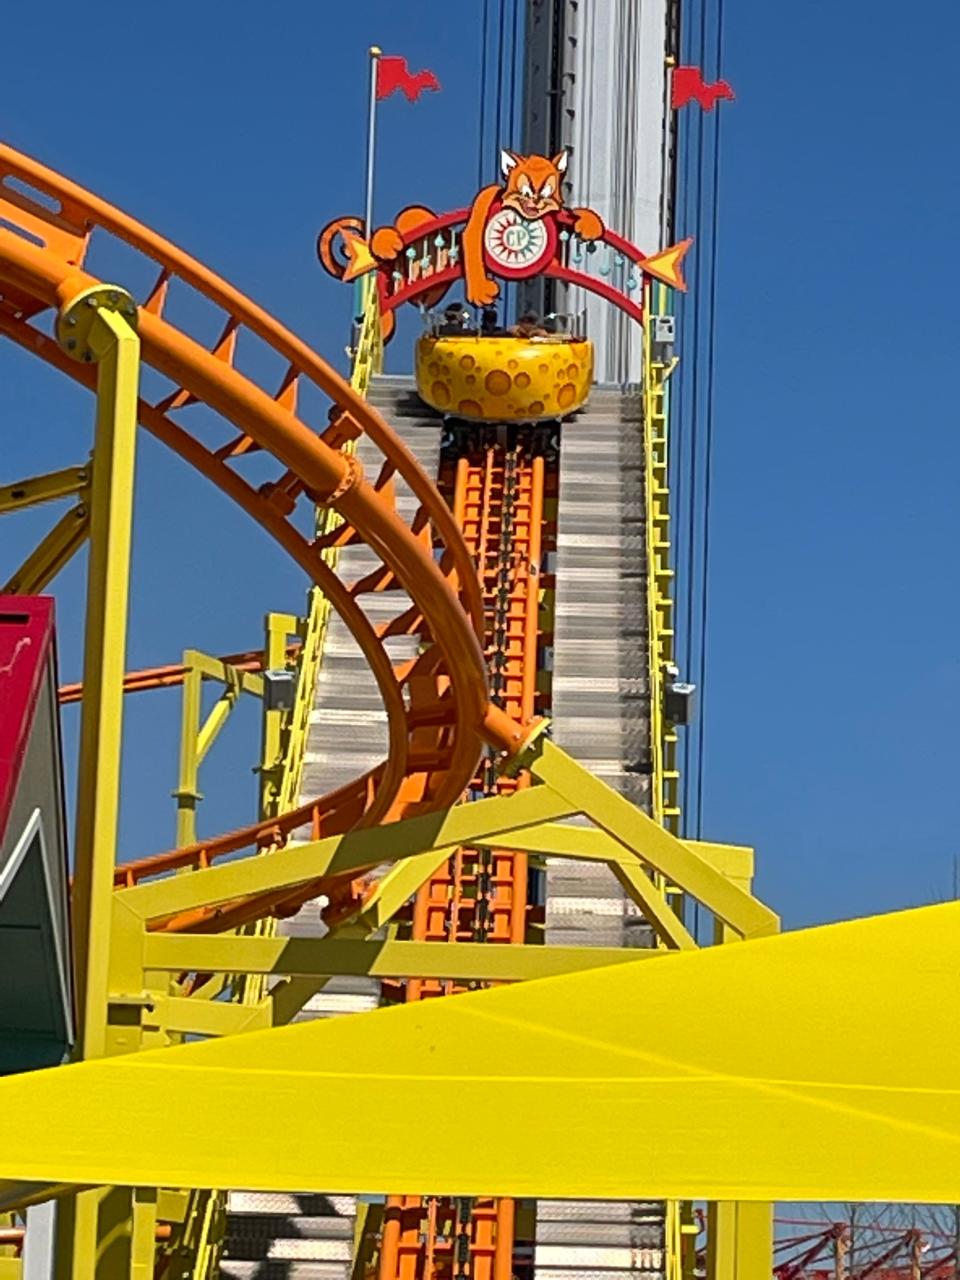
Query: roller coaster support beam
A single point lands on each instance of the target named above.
(66, 537)
(198, 736)
(47, 559)
(99, 325)
(739, 1240)
(92, 328)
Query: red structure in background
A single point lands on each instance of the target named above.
(36, 1013)
(26, 648)
(863, 1250)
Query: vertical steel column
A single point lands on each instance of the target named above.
(739, 1233)
(277, 626)
(93, 328)
(739, 1240)
(98, 326)
(187, 795)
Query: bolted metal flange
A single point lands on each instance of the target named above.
(76, 318)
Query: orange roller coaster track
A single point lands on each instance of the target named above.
(438, 707)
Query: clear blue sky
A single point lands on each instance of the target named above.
(834, 674)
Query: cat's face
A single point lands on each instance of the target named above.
(533, 183)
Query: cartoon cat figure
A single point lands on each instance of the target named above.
(531, 187)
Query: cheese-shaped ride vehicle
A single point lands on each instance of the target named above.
(504, 379)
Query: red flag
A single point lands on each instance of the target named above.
(393, 74)
(688, 83)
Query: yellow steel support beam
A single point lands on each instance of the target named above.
(143, 1234)
(46, 488)
(734, 1111)
(663, 852)
(398, 885)
(99, 326)
(187, 1015)
(274, 721)
(187, 794)
(526, 820)
(739, 1240)
(218, 715)
(649, 896)
(554, 839)
(337, 855)
(324, 957)
(47, 559)
(197, 736)
(111, 340)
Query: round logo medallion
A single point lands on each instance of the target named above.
(515, 246)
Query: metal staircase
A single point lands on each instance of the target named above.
(600, 713)
(282, 1237)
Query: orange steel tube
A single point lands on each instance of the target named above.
(172, 675)
(320, 467)
(390, 1240)
(296, 351)
(322, 470)
(362, 504)
(503, 1248)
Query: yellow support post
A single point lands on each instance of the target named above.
(93, 328)
(187, 795)
(99, 326)
(739, 1240)
(143, 1234)
(274, 722)
(196, 736)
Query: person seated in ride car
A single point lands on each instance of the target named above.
(455, 322)
(489, 326)
(528, 326)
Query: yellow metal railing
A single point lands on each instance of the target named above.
(679, 1245)
(660, 573)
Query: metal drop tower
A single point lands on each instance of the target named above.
(596, 82)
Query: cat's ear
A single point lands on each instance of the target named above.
(560, 161)
(508, 161)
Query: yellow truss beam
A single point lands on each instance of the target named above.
(324, 957)
(46, 488)
(676, 861)
(630, 842)
(337, 855)
(51, 554)
(751, 1103)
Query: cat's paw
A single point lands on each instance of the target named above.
(386, 244)
(588, 225)
(483, 291)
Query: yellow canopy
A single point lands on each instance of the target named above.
(822, 1064)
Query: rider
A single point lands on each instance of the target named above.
(489, 327)
(528, 326)
(455, 322)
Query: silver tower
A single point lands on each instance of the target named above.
(595, 82)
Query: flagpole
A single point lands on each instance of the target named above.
(375, 55)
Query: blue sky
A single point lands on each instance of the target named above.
(834, 676)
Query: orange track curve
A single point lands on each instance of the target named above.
(438, 707)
